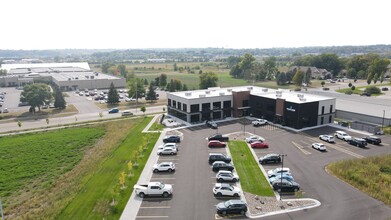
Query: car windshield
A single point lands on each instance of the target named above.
(227, 203)
(162, 185)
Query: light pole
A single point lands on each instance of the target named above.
(382, 123)
(282, 168)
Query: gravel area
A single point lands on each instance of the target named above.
(259, 205)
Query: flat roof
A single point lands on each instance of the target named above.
(74, 76)
(8, 67)
(288, 95)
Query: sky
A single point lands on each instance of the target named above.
(132, 24)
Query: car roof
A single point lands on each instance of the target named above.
(269, 155)
(222, 185)
(212, 154)
(224, 171)
(236, 201)
(169, 163)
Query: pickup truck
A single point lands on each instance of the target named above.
(218, 137)
(153, 189)
(259, 122)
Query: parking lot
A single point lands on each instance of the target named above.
(193, 180)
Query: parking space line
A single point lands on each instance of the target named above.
(155, 207)
(345, 151)
(168, 158)
(163, 178)
(301, 148)
(152, 216)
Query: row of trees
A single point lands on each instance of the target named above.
(39, 94)
(246, 67)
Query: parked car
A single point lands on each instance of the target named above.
(326, 137)
(113, 110)
(164, 166)
(225, 189)
(373, 140)
(384, 89)
(211, 124)
(221, 165)
(167, 151)
(5, 110)
(259, 144)
(232, 207)
(284, 176)
(127, 113)
(259, 122)
(215, 143)
(277, 171)
(270, 158)
(218, 157)
(218, 137)
(153, 189)
(225, 175)
(172, 145)
(358, 142)
(319, 146)
(172, 138)
(343, 135)
(365, 94)
(286, 186)
(254, 138)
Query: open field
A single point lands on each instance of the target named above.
(251, 178)
(371, 175)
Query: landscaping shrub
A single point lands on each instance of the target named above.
(372, 90)
(349, 92)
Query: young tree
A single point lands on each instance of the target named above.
(208, 79)
(143, 109)
(163, 80)
(36, 95)
(151, 94)
(308, 76)
(370, 77)
(113, 97)
(322, 83)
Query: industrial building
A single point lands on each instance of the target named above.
(67, 76)
(292, 109)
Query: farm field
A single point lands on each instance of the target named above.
(66, 163)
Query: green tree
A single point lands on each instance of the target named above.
(378, 67)
(59, 101)
(281, 79)
(143, 109)
(136, 88)
(112, 97)
(208, 79)
(244, 66)
(122, 70)
(298, 78)
(177, 84)
(353, 88)
(322, 83)
(151, 94)
(184, 88)
(270, 66)
(307, 76)
(36, 95)
(106, 66)
(175, 67)
(232, 61)
(369, 78)
(163, 80)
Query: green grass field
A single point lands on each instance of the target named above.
(251, 177)
(41, 158)
(370, 175)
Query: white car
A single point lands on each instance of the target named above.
(254, 138)
(225, 189)
(277, 171)
(126, 113)
(259, 122)
(167, 151)
(164, 166)
(5, 110)
(225, 175)
(326, 137)
(172, 145)
(319, 146)
(343, 135)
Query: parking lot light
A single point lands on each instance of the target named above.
(282, 168)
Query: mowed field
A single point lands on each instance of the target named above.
(371, 175)
(71, 173)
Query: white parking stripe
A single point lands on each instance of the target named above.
(152, 216)
(301, 148)
(163, 178)
(155, 207)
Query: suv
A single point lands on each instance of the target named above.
(286, 186)
(164, 166)
(172, 138)
(254, 138)
(218, 157)
(225, 189)
(220, 165)
(232, 207)
(211, 124)
(172, 145)
(270, 158)
(359, 142)
(373, 140)
(259, 122)
(218, 137)
(328, 138)
(167, 151)
(343, 135)
(277, 171)
(225, 175)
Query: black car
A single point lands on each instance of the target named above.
(218, 137)
(218, 157)
(286, 186)
(365, 94)
(270, 158)
(373, 140)
(211, 124)
(233, 206)
(220, 165)
(172, 139)
(359, 142)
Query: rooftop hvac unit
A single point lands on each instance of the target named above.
(91, 77)
(300, 95)
(222, 93)
(278, 95)
(202, 95)
(265, 90)
(87, 77)
(229, 90)
(250, 88)
(303, 99)
(207, 92)
(187, 93)
(69, 79)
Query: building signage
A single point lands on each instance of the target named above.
(291, 109)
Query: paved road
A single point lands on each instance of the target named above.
(194, 180)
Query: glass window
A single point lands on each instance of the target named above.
(216, 105)
(331, 109)
(227, 104)
(194, 108)
(174, 104)
(330, 118)
(245, 103)
(184, 107)
(322, 111)
(169, 102)
(179, 105)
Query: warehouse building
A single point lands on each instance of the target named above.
(67, 76)
(292, 109)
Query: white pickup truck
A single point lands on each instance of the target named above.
(153, 189)
(259, 122)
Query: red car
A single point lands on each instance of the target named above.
(216, 144)
(259, 144)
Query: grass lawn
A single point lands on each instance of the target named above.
(370, 175)
(251, 177)
(156, 127)
(43, 156)
(94, 198)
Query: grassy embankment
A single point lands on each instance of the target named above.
(370, 175)
(21, 115)
(251, 177)
(71, 162)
